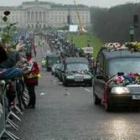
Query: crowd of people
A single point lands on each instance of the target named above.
(13, 65)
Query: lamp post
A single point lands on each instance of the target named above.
(131, 33)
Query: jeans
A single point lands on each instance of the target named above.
(10, 73)
(31, 90)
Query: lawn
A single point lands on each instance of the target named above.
(82, 41)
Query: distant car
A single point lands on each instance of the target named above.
(51, 59)
(53, 71)
(117, 79)
(43, 62)
(59, 70)
(76, 71)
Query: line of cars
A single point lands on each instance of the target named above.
(116, 81)
(75, 70)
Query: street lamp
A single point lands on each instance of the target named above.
(131, 33)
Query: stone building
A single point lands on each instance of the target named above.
(39, 14)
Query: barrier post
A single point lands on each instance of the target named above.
(3, 117)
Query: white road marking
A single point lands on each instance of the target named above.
(42, 94)
(67, 93)
(86, 89)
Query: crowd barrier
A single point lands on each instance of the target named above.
(6, 112)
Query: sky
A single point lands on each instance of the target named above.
(99, 3)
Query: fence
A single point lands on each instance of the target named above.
(6, 112)
(2, 110)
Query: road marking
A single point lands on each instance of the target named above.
(67, 93)
(86, 89)
(42, 94)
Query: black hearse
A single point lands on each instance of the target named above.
(117, 79)
(76, 71)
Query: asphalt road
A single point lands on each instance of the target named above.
(69, 114)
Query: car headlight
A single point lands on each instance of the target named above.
(120, 90)
(87, 76)
(70, 77)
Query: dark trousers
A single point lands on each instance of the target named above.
(31, 90)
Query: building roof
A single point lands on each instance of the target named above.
(42, 3)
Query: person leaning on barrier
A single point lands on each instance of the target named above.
(9, 73)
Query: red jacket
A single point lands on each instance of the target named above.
(32, 78)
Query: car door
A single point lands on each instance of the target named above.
(99, 79)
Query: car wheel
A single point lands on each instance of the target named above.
(90, 83)
(109, 107)
(97, 101)
(65, 83)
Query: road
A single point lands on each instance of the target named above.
(69, 114)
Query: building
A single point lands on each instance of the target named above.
(39, 14)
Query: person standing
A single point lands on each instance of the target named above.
(31, 80)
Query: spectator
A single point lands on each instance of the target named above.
(31, 80)
(9, 73)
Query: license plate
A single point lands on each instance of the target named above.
(136, 97)
(79, 78)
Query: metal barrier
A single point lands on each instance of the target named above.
(3, 119)
(5, 116)
(2, 111)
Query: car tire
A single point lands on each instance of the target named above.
(97, 101)
(65, 83)
(109, 107)
(55, 74)
(90, 83)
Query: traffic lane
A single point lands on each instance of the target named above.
(68, 113)
(98, 124)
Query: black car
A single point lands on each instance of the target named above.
(58, 71)
(76, 71)
(51, 59)
(117, 78)
(53, 69)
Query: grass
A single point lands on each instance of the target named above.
(82, 41)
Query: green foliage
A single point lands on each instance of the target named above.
(112, 25)
(7, 33)
(82, 41)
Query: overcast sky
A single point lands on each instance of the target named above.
(100, 3)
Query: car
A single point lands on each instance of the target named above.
(58, 71)
(53, 69)
(117, 77)
(51, 58)
(76, 71)
(43, 62)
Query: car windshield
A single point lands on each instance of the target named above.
(125, 65)
(53, 60)
(77, 67)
